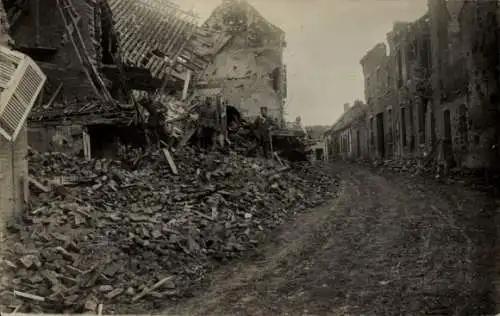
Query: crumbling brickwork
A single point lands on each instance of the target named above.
(66, 139)
(349, 137)
(443, 87)
(250, 68)
(43, 36)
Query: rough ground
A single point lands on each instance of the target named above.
(99, 233)
(390, 245)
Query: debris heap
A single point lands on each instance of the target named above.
(98, 234)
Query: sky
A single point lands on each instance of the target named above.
(325, 41)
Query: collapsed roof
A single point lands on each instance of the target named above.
(155, 34)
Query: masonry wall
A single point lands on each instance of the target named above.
(13, 177)
(250, 68)
(247, 78)
(67, 139)
(439, 82)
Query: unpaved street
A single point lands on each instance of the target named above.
(390, 245)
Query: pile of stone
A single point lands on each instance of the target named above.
(98, 234)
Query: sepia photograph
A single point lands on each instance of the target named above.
(249, 157)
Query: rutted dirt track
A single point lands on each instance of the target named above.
(389, 245)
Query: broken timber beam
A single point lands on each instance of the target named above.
(54, 96)
(174, 60)
(69, 14)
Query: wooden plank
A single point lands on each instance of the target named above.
(186, 85)
(38, 185)
(170, 160)
(29, 296)
(54, 96)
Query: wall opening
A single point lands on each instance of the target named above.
(390, 135)
(380, 135)
(105, 139)
(372, 132)
(319, 153)
(403, 126)
(358, 144)
(400, 69)
(108, 41)
(411, 127)
(462, 125)
(233, 117)
(447, 125)
(421, 123)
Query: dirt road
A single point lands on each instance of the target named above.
(389, 245)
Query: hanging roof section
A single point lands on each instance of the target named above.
(152, 33)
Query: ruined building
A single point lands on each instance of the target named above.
(100, 57)
(349, 138)
(436, 88)
(66, 41)
(249, 70)
(104, 57)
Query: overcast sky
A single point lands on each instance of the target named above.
(326, 39)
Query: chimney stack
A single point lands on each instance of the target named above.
(346, 107)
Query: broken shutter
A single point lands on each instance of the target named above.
(21, 80)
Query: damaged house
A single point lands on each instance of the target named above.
(434, 96)
(419, 92)
(248, 71)
(99, 64)
(349, 138)
(114, 66)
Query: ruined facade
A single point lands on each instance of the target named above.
(436, 86)
(249, 69)
(97, 54)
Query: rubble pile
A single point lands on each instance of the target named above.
(97, 233)
(420, 167)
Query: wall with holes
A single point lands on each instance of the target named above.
(247, 78)
(249, 69)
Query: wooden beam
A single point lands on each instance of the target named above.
(174, 59)
(54, 96)
(186, 85)
(86, 145)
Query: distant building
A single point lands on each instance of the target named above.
(249, 69)
(427, 93)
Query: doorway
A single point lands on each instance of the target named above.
(447, 124)
(380, 135)
(358, 144)
(319, 154)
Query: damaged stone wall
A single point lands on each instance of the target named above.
(13, 177)
(66, 139)
(249, 69)
(479, 21)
